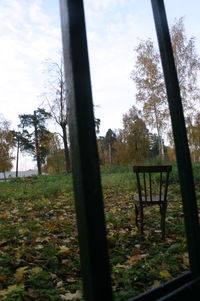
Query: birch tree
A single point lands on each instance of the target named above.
(149, 80)
(188, 66)
(151, 93)
(136, 136)
(57, 101)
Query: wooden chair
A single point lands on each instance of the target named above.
(152, 184)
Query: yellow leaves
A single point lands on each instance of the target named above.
(3, 241)
(36, 270)
(156, 283)
(10, 289)
(121, 266)
(186, 259)
(39, 247)
(19, 274)
(42, 239)
(165, 274)
(64, 251)
(71, 280)
(4, 216)
(69, 296)
(51, 227)
(22, 271)
(23, 231)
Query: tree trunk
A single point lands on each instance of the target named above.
(37, 145)
(110, 154)
(161, 149)
(17, 160)
(66, 149)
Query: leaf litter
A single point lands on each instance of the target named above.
(39, 255)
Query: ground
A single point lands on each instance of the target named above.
(39, 254)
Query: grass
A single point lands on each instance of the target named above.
(39, 255)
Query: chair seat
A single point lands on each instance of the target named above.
(148, 201)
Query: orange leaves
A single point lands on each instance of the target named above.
(134, 259)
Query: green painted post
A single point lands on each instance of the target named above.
(85, 163)
(180, 137)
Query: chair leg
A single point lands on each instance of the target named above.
(136, 215)
(163, 210)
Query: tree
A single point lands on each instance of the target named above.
(150, 82)
(109, 141)
(188, 65)
(35, 135)
(121, 149)
(136, 136)
(106, 146)
(193, 131)
(151, 94)
(97, 122)
(101, 149)
(153, 146)
(6, 144)
(55, 162)
(57, 102)
(18, 141)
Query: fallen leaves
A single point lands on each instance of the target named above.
(186, 259)
(4, 216)
(36, 270)
(64, 251)
(10, 289)
(35, 257)
(20, 273)
(134, 259)
(69, 296)
(166, 275)
(39, 247)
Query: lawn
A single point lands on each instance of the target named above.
(39, 255)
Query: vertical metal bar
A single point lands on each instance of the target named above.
(166, 186)
(180, 136)
(145, 188)
(150, 186)
(140, 202)
(85, 164)
(160, 193)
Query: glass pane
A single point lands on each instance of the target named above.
(39, 255)
(128, 137)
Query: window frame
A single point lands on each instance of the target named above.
(86, 173)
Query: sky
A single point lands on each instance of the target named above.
(30, 34)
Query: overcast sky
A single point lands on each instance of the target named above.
(30, 34)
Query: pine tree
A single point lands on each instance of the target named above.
(35, 136)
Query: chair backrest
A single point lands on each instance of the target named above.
(152, 183)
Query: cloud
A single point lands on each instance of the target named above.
(113, 32)
(105, 4)
(28, 36)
